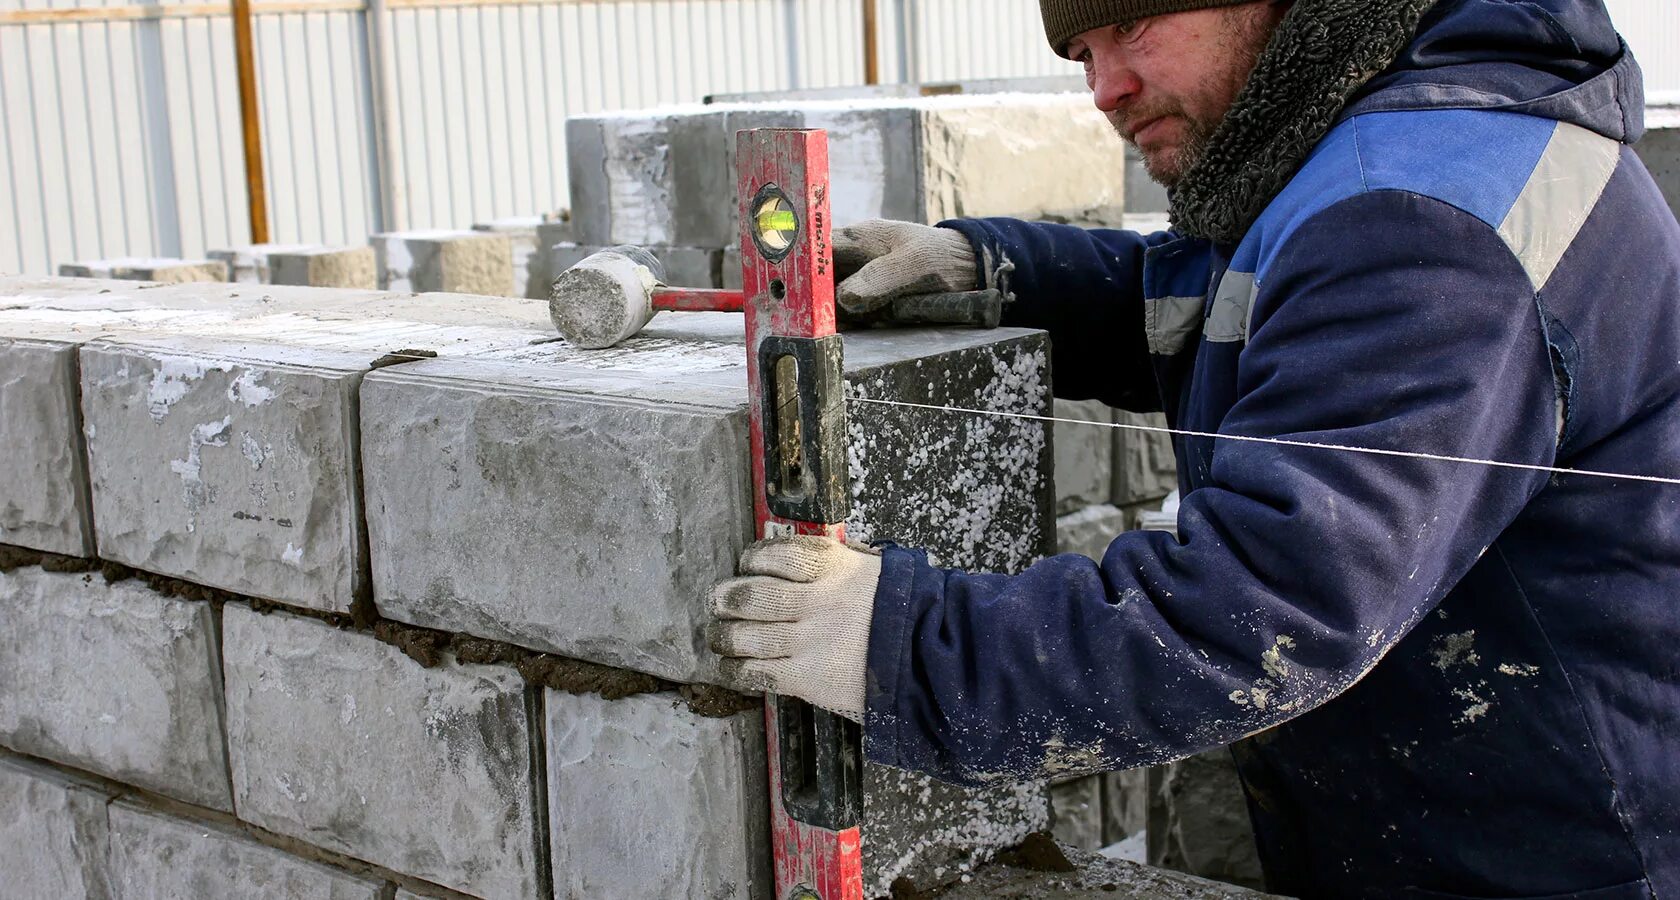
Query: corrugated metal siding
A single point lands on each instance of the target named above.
(123, 137)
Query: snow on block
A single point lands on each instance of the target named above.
(53, 833)
(228, 465)
(453, 262)
(343, 742)
(648, 799)
(158, 855)
(114, 679)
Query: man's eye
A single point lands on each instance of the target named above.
(1127, 32)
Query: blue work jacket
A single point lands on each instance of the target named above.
(1441, 678)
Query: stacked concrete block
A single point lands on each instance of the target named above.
(336, 267)
(1084, 454)
(453, 262)
(550, 234)
(1660, 150)
(1145, 468)
(666, 176)
(343, 742)
(1067, 873)
(158, 855)
(163, 271)
(524, 234)
(54, 835)
(1198, 820)
(114, 679)
(648, 799)
(684, 266)
(249, 264)
(1076, 808)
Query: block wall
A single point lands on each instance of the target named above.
(348, 593)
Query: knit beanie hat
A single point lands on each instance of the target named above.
(1066, 19)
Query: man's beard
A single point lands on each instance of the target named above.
(1168, 168)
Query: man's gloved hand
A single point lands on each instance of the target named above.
(797, 621)
(879, 260)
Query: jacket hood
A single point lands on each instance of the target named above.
(1330, 59)
(1556, 59)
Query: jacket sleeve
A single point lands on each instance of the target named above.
(1085, 287)
(1387, 321)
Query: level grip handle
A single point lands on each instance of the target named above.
(980, 309)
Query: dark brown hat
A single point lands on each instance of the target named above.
(1064, 19)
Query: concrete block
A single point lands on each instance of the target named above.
(654, 178)
(228, 465)
(157, 855)
(1089, 531)
(53, 834)
(684, 266)
(163, 271)
(44, 502)
(1093, 875)
(1145, 468)
(1143, 193)
(114, 679)
(542, 273)
(648, 799)
(1084, 455)
(732, 275)
(638, 454)
(453, 262)
(1125, 805)
(932, 834)
(327, 267)
(1660, 150)
(250, 264)
(1076, 810)
(343, 742)
(523, 234)
(1198, 820)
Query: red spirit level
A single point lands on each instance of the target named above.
(798, 432)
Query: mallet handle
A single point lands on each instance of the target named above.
(676, 299)
(981, 309)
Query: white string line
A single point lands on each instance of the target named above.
(1282, 442)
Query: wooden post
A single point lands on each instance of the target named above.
(250, 115)
(871, 45)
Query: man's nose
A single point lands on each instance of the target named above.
(1113, 82)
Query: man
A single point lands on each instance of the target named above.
(1398, 225)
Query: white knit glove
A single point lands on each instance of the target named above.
(797, 622)
(879, 260)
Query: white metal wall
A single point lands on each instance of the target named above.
(120, 132)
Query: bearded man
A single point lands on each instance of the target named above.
(1447, 667)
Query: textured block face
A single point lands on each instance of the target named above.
(156, 855)
(114, 679)
(343, 742)
(1076, 809)
(453, 262)
(524, 243)
(53, 834)
(1018, 156)
(338, 267)
(559, 519)
(648, 799)
(229, 466)
(162, 271)
(250, 265)
(1084, 455)
(44, 501)
(656, 178)
(1145, 469)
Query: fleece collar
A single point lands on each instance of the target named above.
(1322, 52)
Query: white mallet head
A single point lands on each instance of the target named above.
(605, 298)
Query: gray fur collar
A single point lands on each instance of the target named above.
(1322, 52)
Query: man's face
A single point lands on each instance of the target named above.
(1165, 82)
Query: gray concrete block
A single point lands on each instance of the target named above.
(654, 177)
(343, 742)
(1125, 804)
(452, 262)
(53, 834)
(1076, 812)
(1145, 468)
(1089, 531)
(1093, 875)
(1660, 151)
(1198, 820)
(542, 273)
(158, 855)
(1084, 454)
(932, 834)
(44, 501)
(250, 265)
(1143, 193)
(732, 274)
(648, 799)
(162, 271)
(326, 267)
(114, 679)
(684, 266)
(228, 465)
